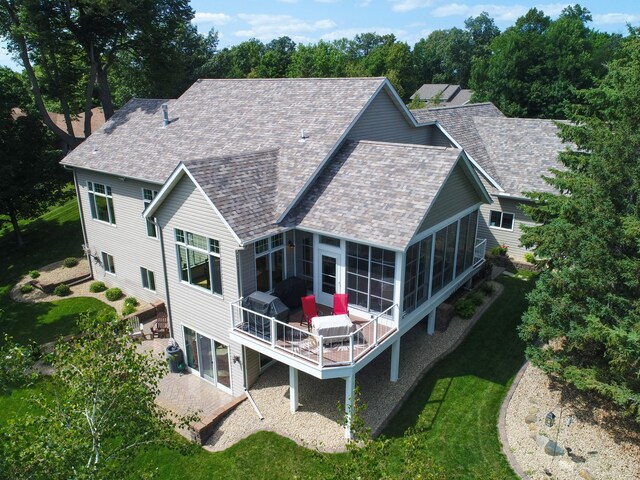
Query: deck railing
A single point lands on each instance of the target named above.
(317, 349)
(479, 251)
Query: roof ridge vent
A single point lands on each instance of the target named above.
(303, 137)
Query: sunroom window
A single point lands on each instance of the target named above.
(199, 260)
(370, 276)
(101, 202)
(269, 255)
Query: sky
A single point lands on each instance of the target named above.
(307, 21)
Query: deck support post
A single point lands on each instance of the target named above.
(293, 389)
(395, 360)
(349, 393)
(431, 322)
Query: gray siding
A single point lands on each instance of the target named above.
(383, 121)
(247, 270)
(127, 240)
(252, 366)
(456, 195)
(498, 236)
(186, 208)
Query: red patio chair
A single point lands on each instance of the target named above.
(309, 310)
(341, 304)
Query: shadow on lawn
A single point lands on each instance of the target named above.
(477, 373)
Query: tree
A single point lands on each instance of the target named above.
(102, 413)
(31, 179)
(583, 319)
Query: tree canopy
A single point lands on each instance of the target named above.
(583, 320)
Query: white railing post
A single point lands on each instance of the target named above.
(375, 330)
(233, 323)
(320, 350)
(274, 333)
(351, 349)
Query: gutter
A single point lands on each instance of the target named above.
(82, 224)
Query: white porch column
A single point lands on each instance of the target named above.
(395, 360)
(293, 389)
(349, 392)
(431, 322)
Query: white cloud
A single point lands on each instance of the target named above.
(497, 12)
(364, 3)
(268, 27)
(409, 5)
(208, 17)
(615, 18)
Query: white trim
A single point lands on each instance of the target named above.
(502, 213)
(348, 239)
(146, 203)
(444, 223)
(208, 253)
(228, 345)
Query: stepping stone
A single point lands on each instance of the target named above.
(541, 440)
(531, 418)
(586, 474)
(553, 449)
(533, 410)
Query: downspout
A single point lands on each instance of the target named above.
(83, 226)
(164, 273)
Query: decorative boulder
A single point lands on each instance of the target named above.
(553, 449)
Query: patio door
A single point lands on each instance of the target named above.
(208, 358)
(330, 272)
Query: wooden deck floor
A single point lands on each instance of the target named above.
(300, 344)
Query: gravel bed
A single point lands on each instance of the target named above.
(316, 424)
(56, 272)
(603, 446)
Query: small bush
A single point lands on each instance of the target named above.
(476, 298)
(499, 250)
(128, 309)
(62, 290)
(487, 289)
(70, 262)
(34, 273)
(113, 294)
(26, 288)
(131, 301)
(530, 258)
(464, 308)
(97, 287)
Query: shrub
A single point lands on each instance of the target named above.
(70, 262)
(62, 290)
(113, 294)
(97, 287)
(487, 289)
(464, 308)
(128, 309)
(131, 301)
(499, 250)
(530, 258)
(26, 288)
(34, 273)
(476, 298)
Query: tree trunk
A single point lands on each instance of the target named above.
(88, 100)
(105, 93)
(16, 227)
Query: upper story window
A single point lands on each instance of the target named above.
(147, 197)
(199, 260)
(101, 202)
(502, 220)
(269, 254)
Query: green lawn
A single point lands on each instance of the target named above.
(53, 236)
(455, 408)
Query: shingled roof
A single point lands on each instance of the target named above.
(375, 192)
(227, 117)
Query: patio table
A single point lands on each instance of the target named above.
(333, 326)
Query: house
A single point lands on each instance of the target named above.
(443, 94)
(204, 200)
(510, 155)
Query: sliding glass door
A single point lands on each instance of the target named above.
(208, 358)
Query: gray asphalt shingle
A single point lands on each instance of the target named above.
(375, 192)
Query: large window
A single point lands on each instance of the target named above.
(502, 220)
(450, 251)
(148, 279)
(199, 261)
(147, 197)
(370, 276)
(307, 261)
(107, 263)
(269, 253)
(101, 202)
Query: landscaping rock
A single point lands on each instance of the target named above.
(444, 314)
(531, 418)
(553, 449)
(533, 410)
(566, 465)
(541, 440)
(586, 474)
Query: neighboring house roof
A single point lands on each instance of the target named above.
(445, 93)
(77, 122)
(386, 205)
(514, 152)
